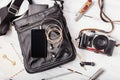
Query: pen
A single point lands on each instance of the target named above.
(83, 10)
(97, 74)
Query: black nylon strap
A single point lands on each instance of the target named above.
(13, 9)
(10, 13)
(30, 1)
(61, 2)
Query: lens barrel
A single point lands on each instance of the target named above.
(100, 42)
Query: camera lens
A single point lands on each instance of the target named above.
(100, 42)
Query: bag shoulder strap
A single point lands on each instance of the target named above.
(13, 9)
(8, 14)
(61, 2)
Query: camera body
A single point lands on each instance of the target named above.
(97, 42)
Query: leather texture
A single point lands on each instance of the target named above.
(64, 50)
(4, 26)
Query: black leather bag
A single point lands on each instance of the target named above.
(56, 45)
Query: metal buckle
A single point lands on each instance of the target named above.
(13, 9)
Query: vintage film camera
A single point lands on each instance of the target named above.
(96, 41)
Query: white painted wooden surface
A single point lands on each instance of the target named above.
(110, 64)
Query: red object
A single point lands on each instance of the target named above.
(95, 50)
(89, 0)
(86, 6)
(84, 9)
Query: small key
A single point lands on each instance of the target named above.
(5, 57)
